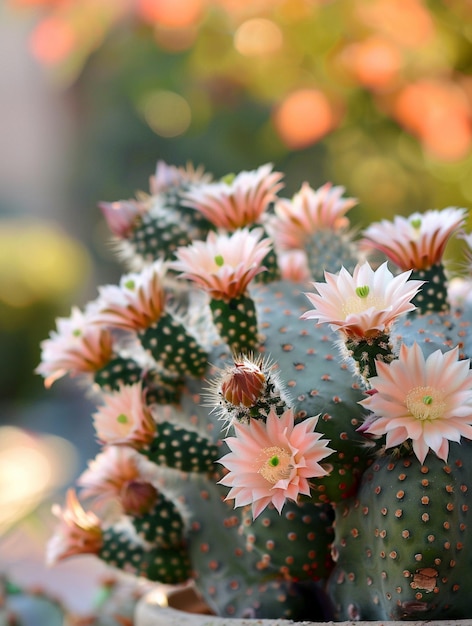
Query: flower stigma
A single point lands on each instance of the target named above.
(363, 291)
(219, 260)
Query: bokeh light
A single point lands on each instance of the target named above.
(171, 13)
(39, 263)
(53, 40)
(31, 468)
(303, 118)
(167, 113)
(258, 37)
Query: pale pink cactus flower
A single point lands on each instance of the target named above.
(77, 346)
(136, 303)
(309, 211)
(273, 461)
(78, 531)
(425, 400)
(416, 242)
(293, 265)
(224, 264)
(122, 216)
(124, 418)
(236, 203)
(365, 304)
(114, 471)
(168, 176)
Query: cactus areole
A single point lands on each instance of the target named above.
(288, 427)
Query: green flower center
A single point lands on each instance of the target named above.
(130, 284)
(122, 419)
(228, 178)
(219, 260)
(363, 291)
(426, 403)
(276, 464)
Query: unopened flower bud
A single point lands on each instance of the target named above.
(243, 384)
(138, 497)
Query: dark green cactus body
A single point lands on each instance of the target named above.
(433, 295)
(163, 525)
(402, 547)
(174, 348)
(122, 549)
(167, 225)
(118, 371)
(367, 352)
(181, 448)
(236, 321)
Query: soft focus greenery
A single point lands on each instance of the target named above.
(375, 95)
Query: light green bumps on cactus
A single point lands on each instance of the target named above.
(402, 546)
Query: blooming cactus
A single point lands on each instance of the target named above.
(269, 442)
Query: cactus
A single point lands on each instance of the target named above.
(401, 544)
(251, 449)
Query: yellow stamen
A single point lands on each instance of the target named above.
(276, 464)
(426, 403)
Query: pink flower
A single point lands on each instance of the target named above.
(78, 532)
(168, 176)
(293, 266)
(78, 346)
(426, 400)
(124, 418)
(365, 304)
(416, 242)
(309, 211)
(138, 301)
(122, 216)
(111, 474)
(238, 203)
(223, 265)
(272, 461)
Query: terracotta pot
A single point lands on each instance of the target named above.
(186, 609)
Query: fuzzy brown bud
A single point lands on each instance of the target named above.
(243, 384)
(138, 497)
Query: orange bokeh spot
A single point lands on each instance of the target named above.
(303, 118)
(439, 114)
(407, 22)
(374, 62)
(171, 13)
(52, 40)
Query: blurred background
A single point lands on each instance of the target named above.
(374, 95)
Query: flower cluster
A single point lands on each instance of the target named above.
(225, 363)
